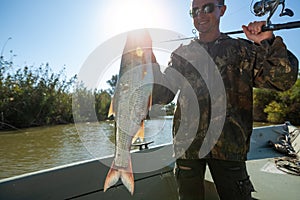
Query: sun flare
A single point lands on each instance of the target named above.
(134, 14)
(121, 16)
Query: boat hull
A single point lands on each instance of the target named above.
(85, 180)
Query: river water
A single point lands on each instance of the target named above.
(34, 149)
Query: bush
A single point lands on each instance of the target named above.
(276, 112)
(34, 96)
(277, 107)
(261, 98)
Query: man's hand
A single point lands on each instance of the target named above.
(253, 32)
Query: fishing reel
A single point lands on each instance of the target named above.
(262, 7)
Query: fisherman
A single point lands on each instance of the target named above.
(262, 61)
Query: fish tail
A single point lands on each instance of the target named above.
(112, 177)
(128, 180)
(125, 175)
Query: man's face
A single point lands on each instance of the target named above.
(207, 18)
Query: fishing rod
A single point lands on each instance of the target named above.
(272, 27)
(261, 8)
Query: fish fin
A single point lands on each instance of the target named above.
(125, 175)
(111, 108)
(150, 102)
(127, 178)
(140, 134)
(112, 177)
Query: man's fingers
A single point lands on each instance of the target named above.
(245, 29)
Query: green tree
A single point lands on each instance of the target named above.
(102, 104)
(284, 106)
(261, 98)
(33, 96)
(112, 83)
(276, 112)
(83, 104)
(291, 99)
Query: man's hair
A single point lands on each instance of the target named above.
(221, 2)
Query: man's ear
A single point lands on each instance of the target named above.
(223, 9)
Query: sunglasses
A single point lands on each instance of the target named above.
(206, 9)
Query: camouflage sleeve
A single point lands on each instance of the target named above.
(276, 67)
(165, 88)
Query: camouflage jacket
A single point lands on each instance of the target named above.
(213, 118)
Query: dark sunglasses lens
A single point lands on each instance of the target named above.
(194, 12)
(208, 8)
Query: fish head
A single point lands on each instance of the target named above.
(138, 44)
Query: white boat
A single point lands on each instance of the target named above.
(85, 180)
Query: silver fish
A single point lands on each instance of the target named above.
(131, 103)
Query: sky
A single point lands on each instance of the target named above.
(63, 33)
